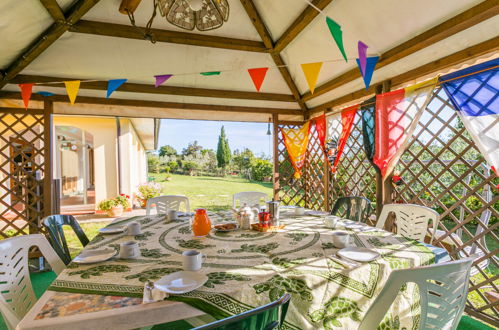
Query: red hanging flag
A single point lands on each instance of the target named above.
(347, 118)
(320, 127)
(339, 129)
(258, 75)
(26, 90)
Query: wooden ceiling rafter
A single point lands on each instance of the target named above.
(150, 89)
(470, 53)
(167, 36)
(473, 16)
(54, 10)
(47, 38)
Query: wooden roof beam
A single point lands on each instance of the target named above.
(150, 89)
(300, 23)
(155, 104)
(175, 37)
(475, 15)
(54, 10)
(260, 27)
(48, 37)
(481, 49)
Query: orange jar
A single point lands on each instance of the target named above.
(201, 225)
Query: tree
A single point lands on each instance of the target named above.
(223, 150)
(261, 169)
(242, 160)
(173, 165)
(152, 163)
(190, 166)
(192, 150)
(167, 151)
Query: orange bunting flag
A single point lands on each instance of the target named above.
(296, 142)
(26, 90)
(72, 88)
(311, 72)
(258, 75)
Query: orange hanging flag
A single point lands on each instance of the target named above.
(258, 75)
(296, 142)
(26, 90)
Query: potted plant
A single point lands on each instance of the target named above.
(112, 208)
(146, 191)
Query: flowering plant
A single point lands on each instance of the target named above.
(148, 190)
(124, 200)
(108, 204)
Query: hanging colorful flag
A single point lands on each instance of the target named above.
(296, 142)
(337, 34)
(161, 79)
(72, 88)
(311, 72)
(362, 47)
(367, 74)
(321, 129)
(26, 90)
(210, 73)
(258, 76)
(368, 126)
(474, 93)
(339, 128)
(397, 114)
(113, 85)
(44, 93)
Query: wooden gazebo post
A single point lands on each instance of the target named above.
(275, 144)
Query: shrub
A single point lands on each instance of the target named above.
(148, 190)
(261, 168)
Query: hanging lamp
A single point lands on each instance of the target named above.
(203, 15)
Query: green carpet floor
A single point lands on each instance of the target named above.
(468, 323)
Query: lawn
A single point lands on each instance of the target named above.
(211, 193)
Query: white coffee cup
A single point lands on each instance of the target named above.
(172, 215)
(129, 250)
(192, 260)
(330, 221)
(341, 239)
(299, 211)
(133, 228)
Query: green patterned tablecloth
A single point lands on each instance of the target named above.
(247, 269)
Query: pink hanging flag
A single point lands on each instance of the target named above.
(26, 90)
(161, 79)
(362, 56)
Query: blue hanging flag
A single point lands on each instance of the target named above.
(113, 85)
(370, 65)
(44, 93)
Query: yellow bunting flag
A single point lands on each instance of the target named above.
(311, 72)
(72, 88)
(296, 142)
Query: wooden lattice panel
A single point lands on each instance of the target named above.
(355, 175)
(314, 173)
(22, 158)
(443, 169)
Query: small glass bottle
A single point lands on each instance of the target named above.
(201, 225)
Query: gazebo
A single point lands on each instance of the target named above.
(247, 61)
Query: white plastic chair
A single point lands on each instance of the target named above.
(443, 289)
(167, 202)
(16, 293)
(249, 198)
(411, 219)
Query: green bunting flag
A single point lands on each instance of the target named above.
(335, 30)
(210, 73)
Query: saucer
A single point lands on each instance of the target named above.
(180, 282)
(93, 256)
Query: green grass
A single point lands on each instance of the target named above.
(91, 230)
(211, 193)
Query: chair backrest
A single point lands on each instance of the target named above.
(54, 224)
(16, 293)
(167, 202)
(249, 198)
(411, 219)
(266, 317)
(443, 290)
(353, 207)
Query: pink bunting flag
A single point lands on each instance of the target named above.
(362, 56)
(26, 90)
(160, 79)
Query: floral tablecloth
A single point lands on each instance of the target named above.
(247, 269)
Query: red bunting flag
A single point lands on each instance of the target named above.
(320, 128)
(258, 75)
(339, 129)
(26, 90)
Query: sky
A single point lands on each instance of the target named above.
(179, 133)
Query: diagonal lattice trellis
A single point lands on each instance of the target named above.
(22, 159)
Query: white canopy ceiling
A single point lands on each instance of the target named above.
(381, 24)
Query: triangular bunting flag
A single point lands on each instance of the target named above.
(45, 94)
(72, 88)
(335, 30)
(161, 79)
(113, 85)
(210, 73)
(370, 65)
(311, 72)
(26, 90)
(258, 75)
(362, 56)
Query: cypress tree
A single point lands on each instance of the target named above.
(223, 150)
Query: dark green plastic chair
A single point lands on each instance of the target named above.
(53, 224)
(270, 316)
(353, 207)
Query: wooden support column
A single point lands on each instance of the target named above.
(275, 179)
(326, 178)
(387, 183)
(48, 193)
